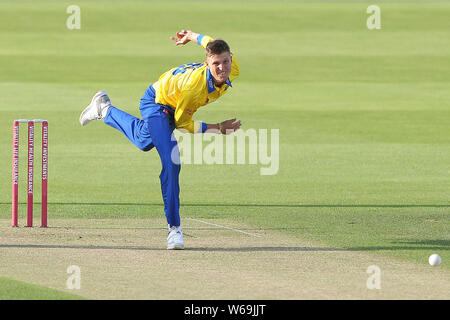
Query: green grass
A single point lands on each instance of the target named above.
(363, 115)
(17, 290)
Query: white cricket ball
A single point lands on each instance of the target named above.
(435, 259)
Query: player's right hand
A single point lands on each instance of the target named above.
(183, 37)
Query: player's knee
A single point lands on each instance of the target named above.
(171, 164)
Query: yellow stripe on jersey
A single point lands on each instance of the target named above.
(188, 87)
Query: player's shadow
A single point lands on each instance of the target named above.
(148, 248)
(441, 245)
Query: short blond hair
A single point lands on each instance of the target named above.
(217, 46)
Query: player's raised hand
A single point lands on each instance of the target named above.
(184, 36)
(181, 38)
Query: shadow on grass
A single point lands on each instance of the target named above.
(240, 249)
(224, 249)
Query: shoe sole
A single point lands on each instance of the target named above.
(176, 247)
(100, 93)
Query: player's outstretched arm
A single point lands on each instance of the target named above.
(184, 36)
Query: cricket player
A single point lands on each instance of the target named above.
(170, 103)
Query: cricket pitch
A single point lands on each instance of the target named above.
(127, 259)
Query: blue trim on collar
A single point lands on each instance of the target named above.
(210, 81)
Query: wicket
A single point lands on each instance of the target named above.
(15, 171)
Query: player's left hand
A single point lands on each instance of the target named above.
(230, 126)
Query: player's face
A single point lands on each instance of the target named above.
(220, 67)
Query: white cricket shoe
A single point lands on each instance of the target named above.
(175, 239)
(97, 109)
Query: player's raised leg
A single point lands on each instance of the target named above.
(97, 109)
(133, 128)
